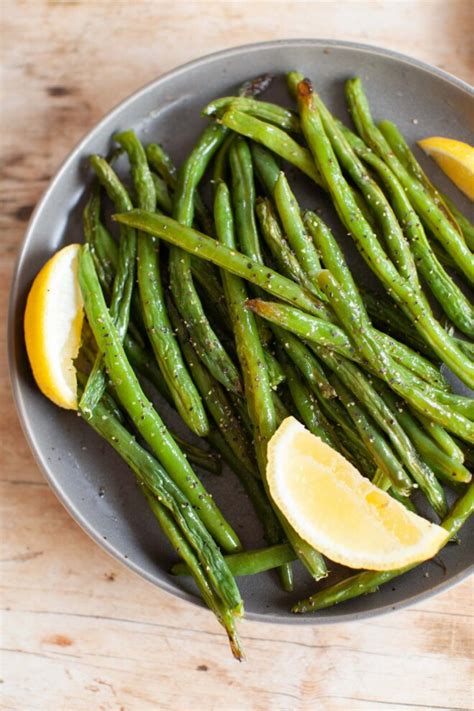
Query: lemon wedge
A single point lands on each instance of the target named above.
(455, 158)
(53, 323)
(338, 511)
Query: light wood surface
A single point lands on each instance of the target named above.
(79, 632)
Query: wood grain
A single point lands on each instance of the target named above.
(79, 632)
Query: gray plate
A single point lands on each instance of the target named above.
(89, 479)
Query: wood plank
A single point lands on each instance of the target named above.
(79, 631)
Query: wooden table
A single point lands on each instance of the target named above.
(79, 631)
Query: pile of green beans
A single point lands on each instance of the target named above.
(244, 311)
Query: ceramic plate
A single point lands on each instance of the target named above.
(90, 480)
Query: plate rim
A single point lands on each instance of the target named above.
(28, 430)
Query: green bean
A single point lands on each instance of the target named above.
(266, 167)
(422, 201)
(362, 388)
(243, 196)
(221, 160)
(184, 393)
(224, 615)
(317, 331)
(246, 228)
(150, 474)
(273, 138)
(213, 394)
(230, 429)
(441, 437)
(401, 289)
(387, 316)
(305, 361)
(162, 163)
(208, 346)
(284, 257)
(466, 226)
(402, 151)
(367, 394)
(463, 405)
(307, 406)
(122, 287)
(250, 562)
(381, 451)
(91, 226)
(381, 480)
(447, 292)
(202, 458)
(163, 197)
(350, 444)
(445, 259)
(334, 261)
(302, 324)
(144, 363)
(331, 253)
(395, 241)
(105, 253)
(293, 78)
(288, 149)
(384, 366)
(300, 241)
(260, 109)
(257, 385)
(140, 409)
(369, 581)
(354, 449)
(466, 347)
(249, 348)
(332, 336)
(238, 264)
(276, 374)
(434, 456)
(223, 257)
(210, 285)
